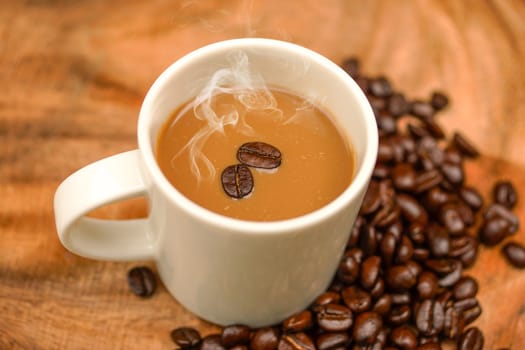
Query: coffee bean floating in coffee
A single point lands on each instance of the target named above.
(259, 155)
(401, 282)
(237, 180)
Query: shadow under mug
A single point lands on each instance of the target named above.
(224, 270)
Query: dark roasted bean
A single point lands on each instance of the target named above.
(142, 281)
(438, 100)
(357, 299)
(450, 217)
(448, 270)
(299, 322)
(470, 309)
(404, 177)
(367, 327)
(185, 337)
(411, 209)
(380, 87)
(327, 298)
(422, 109)
(471, 339)
(378, 289)
(397, 105)
(334, 318)
(265, 339)
(493, 231)
(430, 317)
(466, 287)
(368, 240)
(237, 181)
(259, 155)
(372, 200)
(383, 305)
(453, 173)
(212, 342)
(351, 66)
(348, 270)
(505, 194)
(404, 338)
(497, 210)
(438, 241)
(399, 315)
(404, 251)
(515, 254)
(464, 146)
(400, 277)
(370, 269)
(428, 180)
(454, 323)
(427, 285)
(472, 197)
(296, 341)
(332, 341)
(235, 335)
(433, 128)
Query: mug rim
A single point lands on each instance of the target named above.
(351, 192)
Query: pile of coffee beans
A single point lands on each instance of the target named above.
(401, 283)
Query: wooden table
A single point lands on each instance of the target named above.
(73, 75)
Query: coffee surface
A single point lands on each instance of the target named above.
(316, 164)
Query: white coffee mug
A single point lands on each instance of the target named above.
(224, 270)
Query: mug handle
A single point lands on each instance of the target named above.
(105, 181)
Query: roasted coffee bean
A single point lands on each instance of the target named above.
(417, 132)
(438, 100)
(427, 285)
(399, 278)
(387, 248)
(404, 251)
(448, 270)
(430, 317)
(367, 327)
(438, 241)
(466, 287)
(453, 173)
(327, 298)
(378, 289)
(404, 338)
(422, 109)
(265, 339)
(411, 209)
(404, 177)
(450, 217)
(381, 171)
(428, 180)
(259, 155)
(399, 315)
(212, 342)
(497, 210)
(348, 270)
(351, 66)
(472, 197)
(368, 240)
(493, 231)
(141, 281)
(357, 299)
(296, 341)
(237, 181)
(471, 339)
(299, 322)
(334, 318)
(387, 124)
(466, 213)
(401, 298)
(185, 337)
(515, 254)
(454, 323)
(372, 199)
(433, 128)
(470, 309)
(332, 341)
(380, 87)
(383, 305)
(398, 105)
(464, 146)
(235, 335)
(370, 269)
(505, 194)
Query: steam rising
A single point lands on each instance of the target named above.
(247, 87)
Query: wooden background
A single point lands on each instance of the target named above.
(73, 74)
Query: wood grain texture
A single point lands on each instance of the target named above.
(73, 75)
